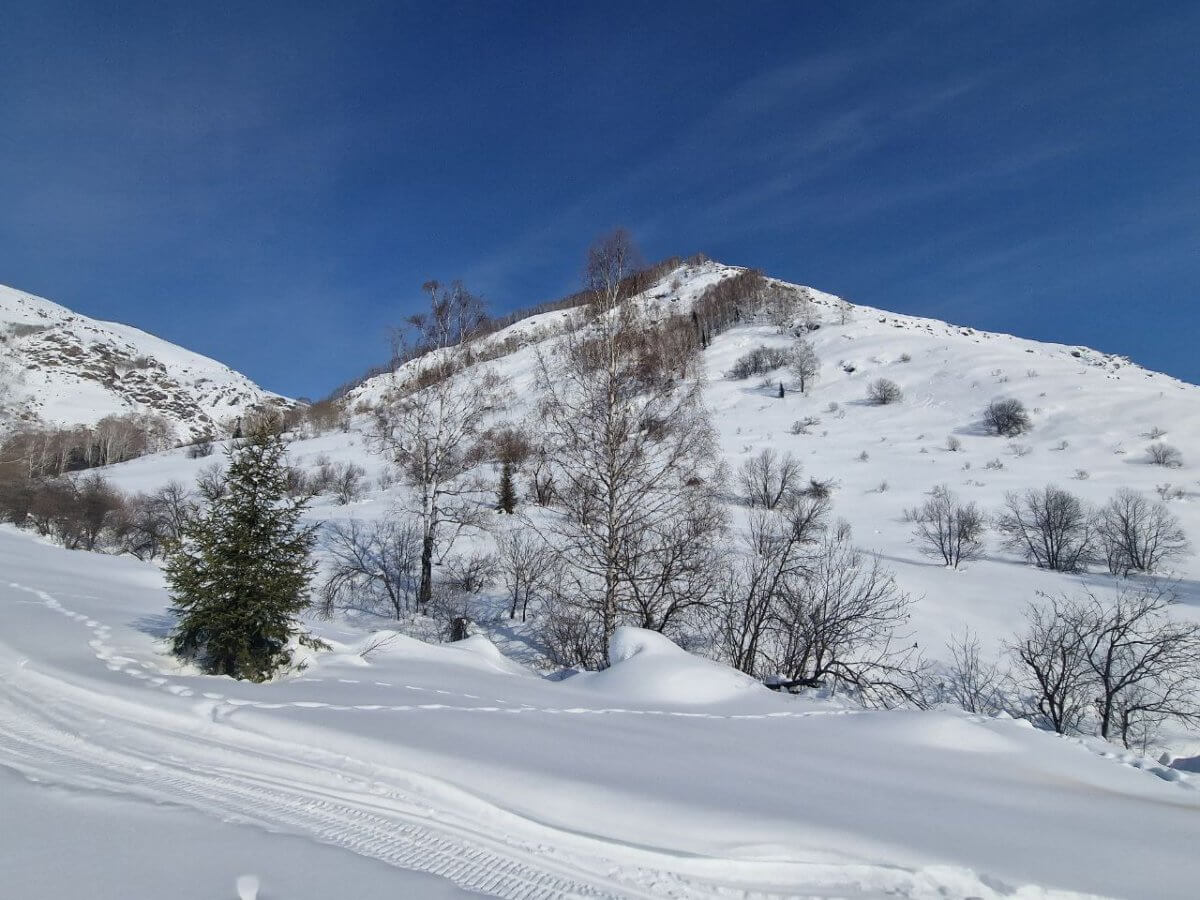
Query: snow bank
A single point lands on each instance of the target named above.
(646, 666)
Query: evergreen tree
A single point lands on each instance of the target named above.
(507, 495)
(781, 390)
(239, 572)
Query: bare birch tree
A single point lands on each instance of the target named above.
(432, 422)
(630, 455)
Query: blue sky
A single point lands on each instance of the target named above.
(270, 184)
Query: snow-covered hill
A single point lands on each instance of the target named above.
(665, 775)
(66, 369)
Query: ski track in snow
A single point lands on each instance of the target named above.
(372, 812)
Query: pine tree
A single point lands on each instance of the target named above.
(239, 572)
(507, 495)
(781, 390)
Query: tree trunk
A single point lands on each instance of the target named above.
(425, 590)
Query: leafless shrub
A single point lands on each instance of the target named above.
(1007, 417)
(819, 489)
(471, 573)
(200, 448)
(1164, 455)
(1138, 535)
(151, 522)
(759, 361)
(953, 444)
(1167, 491)
(883, 391)
(1050, 527)
(1052, 669)
(572, 633)
(1155, 433)
(804, 363)
(1125, 665)
(802, 426)
(768, 478)
(994, 464)
(526, 565)
(841, 623)
(373, 566)
(972, 683)
(948, 529)
(1082, 474)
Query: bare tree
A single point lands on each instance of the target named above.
(372, 566)
(627, 454)
(432, 424)
(154, 521)
(884, 391)
(769, 479)
(670, 567)
(973, 683)
(1139, 535)
(841, 622)
(1125, 665)
(805, 365)
(1145, 666)
(845, 311)
(1053, 668)
(1050, 527)
(526, 566)
(778, 551)
(780, 304)
(947, 528)
(471, 573)
(1007, 417)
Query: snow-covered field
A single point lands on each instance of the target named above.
(663, 776)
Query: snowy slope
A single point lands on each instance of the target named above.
(434, 759)
(1092, 415)
(665, 775)
(68, 369)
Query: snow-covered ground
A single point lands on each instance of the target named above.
(664, 775)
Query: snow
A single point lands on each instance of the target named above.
(664, 775)
(61, 843)
(647, 667)
(436, 759)
(66, 371)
